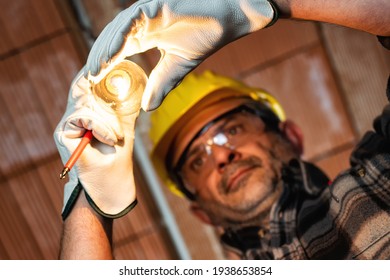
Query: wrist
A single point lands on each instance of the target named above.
(86, 234)
(83, 206)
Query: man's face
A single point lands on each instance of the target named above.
(234, 169)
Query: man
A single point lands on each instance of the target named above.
(229, 150)
(93, 198)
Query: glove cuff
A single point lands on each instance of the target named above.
(276, 13)
(75, 194)
(111, 216)
(71, 201)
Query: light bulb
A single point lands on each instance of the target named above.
(122, 88)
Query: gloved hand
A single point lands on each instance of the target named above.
(185, 32)
(105, 168)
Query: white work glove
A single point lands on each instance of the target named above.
(105, 168)
(185, 31)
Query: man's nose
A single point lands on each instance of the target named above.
(223, 155)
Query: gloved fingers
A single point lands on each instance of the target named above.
(168, 73)
(80, 88)
(108, 43)
(106, 127)
(107, 130)
(109, 48)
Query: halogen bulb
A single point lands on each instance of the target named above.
(118, 83)
(121, 89)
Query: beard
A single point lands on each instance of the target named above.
(250, 200)
(248, 164)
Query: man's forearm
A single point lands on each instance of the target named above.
(367, 15)
(86, 235)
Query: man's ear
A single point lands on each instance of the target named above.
(294, 134)
(200, 213)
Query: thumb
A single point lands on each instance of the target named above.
(168, 73)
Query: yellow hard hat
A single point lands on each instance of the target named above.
(172, 115)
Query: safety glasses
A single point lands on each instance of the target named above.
(228, 132)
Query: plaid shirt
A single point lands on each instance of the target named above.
(348, 218)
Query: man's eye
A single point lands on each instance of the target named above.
(197, 163)
(234, 130)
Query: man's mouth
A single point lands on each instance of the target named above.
(237, 178)
(237, 173)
